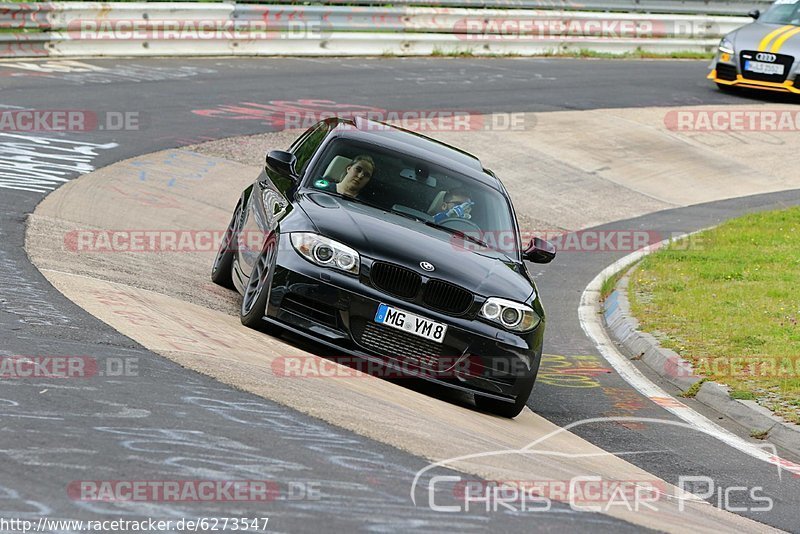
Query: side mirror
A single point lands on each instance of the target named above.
(754, 14)
(282, 163)
(539, 251)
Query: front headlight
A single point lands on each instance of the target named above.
(511, 315)
(726, 46)
(326, 252)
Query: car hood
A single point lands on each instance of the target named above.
(386, 236)
(748, 37)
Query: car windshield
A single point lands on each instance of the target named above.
(397, 183)
(783, 12)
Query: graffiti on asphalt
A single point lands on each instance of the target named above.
(79, 72)
(275, 112)
(571, 371)
(40, 164)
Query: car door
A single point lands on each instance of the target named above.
(271, 198)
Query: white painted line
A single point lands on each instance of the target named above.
(592, 325)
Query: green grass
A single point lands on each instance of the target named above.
(693, 389)
(21, 30)
(439, 52)
(731, 305)
(582, 53)
(610, 284)
(636, 54)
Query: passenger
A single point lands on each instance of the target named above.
(456, 204)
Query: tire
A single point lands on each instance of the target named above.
(222, 268)
(506, 409)
(257, 290)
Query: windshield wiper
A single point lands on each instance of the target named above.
(459, 233)
(474, 239)
(408, 215)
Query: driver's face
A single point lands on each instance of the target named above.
(455, 201)
(358, 174)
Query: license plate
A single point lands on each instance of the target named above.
(763, 68)
(408, 322)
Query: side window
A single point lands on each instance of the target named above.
(308, 145)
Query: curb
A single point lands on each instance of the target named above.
(624, 329)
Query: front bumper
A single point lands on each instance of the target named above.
(725, 71)
(338, 310)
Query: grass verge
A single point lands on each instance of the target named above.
(637, 54)
(730, 303)
(584, 53)
(610, 284)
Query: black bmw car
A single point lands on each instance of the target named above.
(397, 249)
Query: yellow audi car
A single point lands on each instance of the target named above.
(764, 54)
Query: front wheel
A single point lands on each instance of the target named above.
(256, 293)
(222, 270)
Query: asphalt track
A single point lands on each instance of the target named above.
(169, 421)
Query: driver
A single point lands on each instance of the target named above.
(353, 179)
(456, 204)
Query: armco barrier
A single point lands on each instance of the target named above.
(364, 44)
(178, 28)
(24, 45)
(488, 21)
(697, 7)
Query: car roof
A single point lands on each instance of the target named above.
(415, 145)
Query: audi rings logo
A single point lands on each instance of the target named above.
(426, 266)
(769, 58)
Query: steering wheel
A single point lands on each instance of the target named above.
(457, 223)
